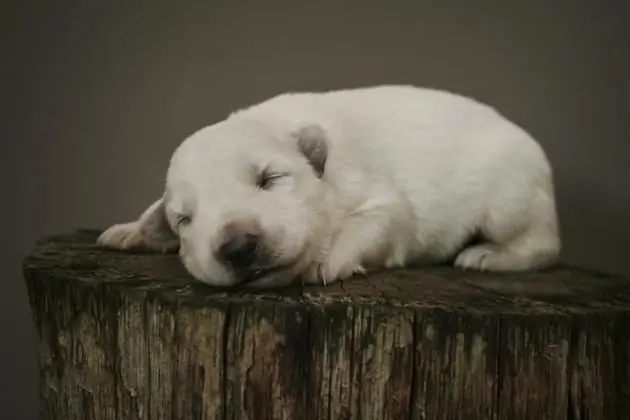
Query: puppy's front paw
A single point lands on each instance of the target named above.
(328, 272)
(122, 236)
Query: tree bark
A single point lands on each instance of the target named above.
(133, 336)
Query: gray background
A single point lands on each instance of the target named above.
(95, 95)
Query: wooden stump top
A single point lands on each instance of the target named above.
(564, 289)
(134, 336)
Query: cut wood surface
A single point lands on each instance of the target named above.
(133, 336)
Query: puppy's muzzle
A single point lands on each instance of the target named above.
(247, 254)
(240, 252)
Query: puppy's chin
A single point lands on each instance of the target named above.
(222, 281)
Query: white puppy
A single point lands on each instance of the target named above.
(319, 186)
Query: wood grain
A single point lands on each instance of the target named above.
(133, 336)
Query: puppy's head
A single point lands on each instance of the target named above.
(247, 202)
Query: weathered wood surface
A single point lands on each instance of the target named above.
(133, 337)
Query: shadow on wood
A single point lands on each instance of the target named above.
(131, 336)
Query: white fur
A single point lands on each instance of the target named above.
(411, 175)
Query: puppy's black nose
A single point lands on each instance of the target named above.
(240, 251)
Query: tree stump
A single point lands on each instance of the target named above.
(133, 336)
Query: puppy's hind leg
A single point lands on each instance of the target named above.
(517, 238)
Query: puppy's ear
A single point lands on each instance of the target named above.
(155, 228)
(312, 142)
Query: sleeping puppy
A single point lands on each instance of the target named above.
(320, 186)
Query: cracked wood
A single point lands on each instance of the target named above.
(132, 336)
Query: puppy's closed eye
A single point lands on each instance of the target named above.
(182, 220)
(268, 178)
